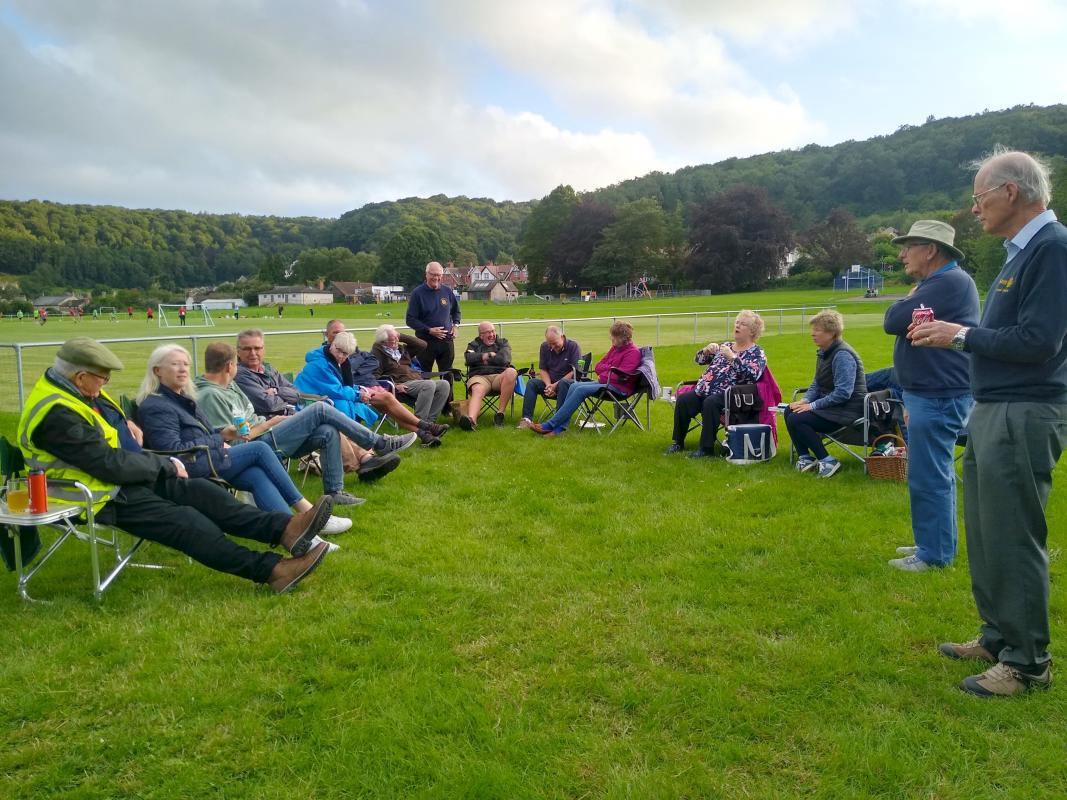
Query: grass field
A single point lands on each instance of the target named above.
(513, 617)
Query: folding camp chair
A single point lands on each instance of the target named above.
(580, 372)
(491, 400)
(741, 405)
(881, 414)
(73, 519)
(625, 407)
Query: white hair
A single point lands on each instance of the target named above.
(65, 368)
(1032, 176)
(345, 342)
(382, 332)
(150, 384)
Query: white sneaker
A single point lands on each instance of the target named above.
(911, 564)
(524, 423)
(827, 469)
(330, 546)
(335, 525)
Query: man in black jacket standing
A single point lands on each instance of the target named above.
(1018, 427)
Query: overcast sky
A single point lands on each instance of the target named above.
(321, 106)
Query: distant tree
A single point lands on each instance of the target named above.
(836, 242)
(1059, 187)
(335, 264)
(542, 226)
(636, 245)
(405, 256)
(884, 251)
(739, 240)
(573, 247)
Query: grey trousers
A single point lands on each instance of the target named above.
(431, 396)
(1007, 477)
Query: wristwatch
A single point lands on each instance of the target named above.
(959, 341)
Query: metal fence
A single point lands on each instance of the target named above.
(23, 363)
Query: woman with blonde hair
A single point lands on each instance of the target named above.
(172, 422)
(727, 364)
(835, 397)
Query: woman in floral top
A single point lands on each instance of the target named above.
(728, 364)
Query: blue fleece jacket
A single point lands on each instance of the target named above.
(932, 371)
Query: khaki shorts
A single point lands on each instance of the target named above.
(490, 382)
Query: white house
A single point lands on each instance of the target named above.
(295, 295)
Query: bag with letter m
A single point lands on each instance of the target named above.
(749, 444)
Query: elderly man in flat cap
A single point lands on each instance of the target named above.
(936, 389)
(73, 430)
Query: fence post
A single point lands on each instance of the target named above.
(18, 375)
(196, 358)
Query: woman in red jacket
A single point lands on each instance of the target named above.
(623, 357)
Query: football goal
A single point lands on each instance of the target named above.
(170, 315)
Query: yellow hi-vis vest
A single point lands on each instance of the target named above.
(45, 396)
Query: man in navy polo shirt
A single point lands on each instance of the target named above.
(555, 372)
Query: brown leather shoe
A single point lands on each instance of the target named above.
(966, 651)
(303, 527)
(288, 572)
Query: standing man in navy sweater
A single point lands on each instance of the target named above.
(936, 389)
(433, 313)
(1018, 427)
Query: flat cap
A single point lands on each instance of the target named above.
(81, 351)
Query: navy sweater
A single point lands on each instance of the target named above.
(932, 371)
(1019, 352)
(428, 308)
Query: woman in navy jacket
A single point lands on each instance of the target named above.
(171, 420)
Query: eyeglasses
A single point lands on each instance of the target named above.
(909, 245)
(104, 379)
(249, 347)
(975, 198)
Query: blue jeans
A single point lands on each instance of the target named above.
(575, 397)
(315, 427)
(536, 387)
(934, 423)
(254, 467)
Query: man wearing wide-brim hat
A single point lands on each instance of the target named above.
(936, 389)
(73, 430)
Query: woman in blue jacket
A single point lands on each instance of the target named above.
(171, 421)
(322, 375)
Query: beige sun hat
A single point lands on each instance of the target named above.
(932, 230)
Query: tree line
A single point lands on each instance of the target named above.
(724, 226)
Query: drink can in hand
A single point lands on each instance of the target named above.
(241, 424)
(921, 315)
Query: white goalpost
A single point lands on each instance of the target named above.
(169, 315)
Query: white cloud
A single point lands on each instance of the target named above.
(272, 107)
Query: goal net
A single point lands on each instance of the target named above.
(196, 316)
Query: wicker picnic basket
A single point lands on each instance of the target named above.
(893, 467)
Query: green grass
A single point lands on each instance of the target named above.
(516, 617)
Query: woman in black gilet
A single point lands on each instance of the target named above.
(835, 397)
